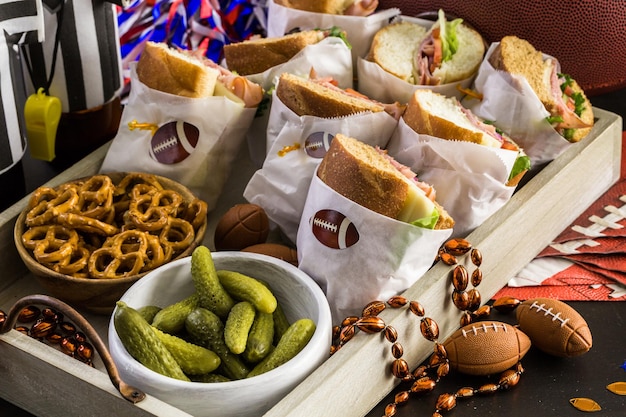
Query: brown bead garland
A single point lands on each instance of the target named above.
(468, 301)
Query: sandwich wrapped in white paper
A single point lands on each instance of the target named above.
(360, 30)
(296, 145)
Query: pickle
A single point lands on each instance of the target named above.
(171, 319)
(148, 312)
(206, 328)
(142, 343)
(193, 359)
(210, 378)
(238, 326)
(293, 341)
(281, 324)
(245, 288)
(211, 292)
(260, 338)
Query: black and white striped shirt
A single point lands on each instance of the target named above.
(88, 70)
(21, 22)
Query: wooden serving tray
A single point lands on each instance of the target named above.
(46, 382)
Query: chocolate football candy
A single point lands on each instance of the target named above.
(486, 348)
(241, 226)
(554, 327)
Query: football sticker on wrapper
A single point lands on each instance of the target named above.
(333, 229)
(317, 143)
(171, 143)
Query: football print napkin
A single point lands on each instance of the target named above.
(587, 261)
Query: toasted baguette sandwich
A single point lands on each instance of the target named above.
(372, 179)
(571, 113)
(444, 117)
(257, 55)
(449, 51)
(320, 97)
(188, 74)
(336, 7)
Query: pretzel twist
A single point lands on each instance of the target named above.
(50, 244)
(46, 208)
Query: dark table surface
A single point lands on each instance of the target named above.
(546, 386)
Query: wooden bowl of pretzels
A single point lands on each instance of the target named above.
(87, 241)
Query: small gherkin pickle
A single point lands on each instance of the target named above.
(148, 312)
(171, 319)
(142, 343)
(238, 326)
(212, 294)
(293, 341)
(245, 288)
(206, 329)
(260, 338)
(193, 359)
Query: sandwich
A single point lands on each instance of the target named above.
(444, 117)
(321, 97)
(449, 51)
(189, 74)
(571, 113)
(257, 55)
(336, 7)
(373, 179)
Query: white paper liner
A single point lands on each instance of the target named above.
(360, 30)
(388, 257)
(280, 186)
(512, 105)
(222, 124)
(331, 57)
(469, 178)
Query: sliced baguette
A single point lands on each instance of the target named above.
(518, 56)
(360, 173)
(394, 47)
(306, 97)
(317, 6)
(466, 60)
(258, 55)
(171, 71)
(434, 114)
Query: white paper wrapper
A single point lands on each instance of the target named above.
(222, 125)
(512, 105)
(331, 57)
(380, 85)
(282, 183)
(388, 257)
(359, 30)
(469, 178)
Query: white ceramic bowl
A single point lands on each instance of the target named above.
(299, 296)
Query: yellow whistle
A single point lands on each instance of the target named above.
(42, 114)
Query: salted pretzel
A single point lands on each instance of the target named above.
(95, 197)
(144, 216)
(177, 234)
(50, 244)
(75, 264)
(49, 203)
(195, 213)
(86, 224)
(121, 255)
